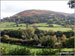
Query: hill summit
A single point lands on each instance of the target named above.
(40, 16)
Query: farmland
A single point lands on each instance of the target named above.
(7, 47)
(41, 26)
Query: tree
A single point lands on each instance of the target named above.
(63, 38)
(5, 38)
(47, 41)
(27, 25)
(50, 25)
(17, 20)
(55, 38)
(71, 3)
(70, 42)
(36, 37)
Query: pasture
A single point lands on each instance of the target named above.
(33, 50)
(41, 26)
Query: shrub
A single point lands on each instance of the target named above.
(70, 42)
(69, 34)
(50, 25)
(58, 45)
(19, 51)
(35, 37)
(28, 33)
(47, 52)
(63, 38)
(55, 38)
(12, 33)
(58, 33)
(30, 42)
(47, 41)
(30, 30)
(20, 33)
(15, 40)
(5, 38)
(20, 41)
(3, 51)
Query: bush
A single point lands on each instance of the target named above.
(63, 38)
(47, 41)
(19, 51)
(5, 38)
(70, 42)
(47, 52)
(28, 33)
(3, 51)
(20, 33)
(50, 25)
(16, 51)
(12, 33)
(31, 42)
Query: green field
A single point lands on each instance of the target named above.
(41, 26)
(8, 47)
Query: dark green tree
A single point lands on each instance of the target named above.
(71, 3)
(70, 42)
(47, 41)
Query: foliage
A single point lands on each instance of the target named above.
(47, 41)
(63, 38)
(48, 17)
(70, 42)
(5, 48)
(5, 38)
(33, 37)
(51, 25)
(71, 3)
(12, 33)
(47, 52)
(55, 38)
(11, 40)
(19, 51)
(16, 51)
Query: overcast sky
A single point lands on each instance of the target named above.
(9, 8)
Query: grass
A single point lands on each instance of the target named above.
(56, 25)
(33, 50)
(11, 46)
(54, 29)
(41, 26)
(6, 24)
(15, 28)
(67, 49)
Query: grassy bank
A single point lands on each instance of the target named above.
(34, 50)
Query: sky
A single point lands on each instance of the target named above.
(10, 8)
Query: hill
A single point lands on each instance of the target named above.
(41, 16)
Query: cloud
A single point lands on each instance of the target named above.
(9, 8)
